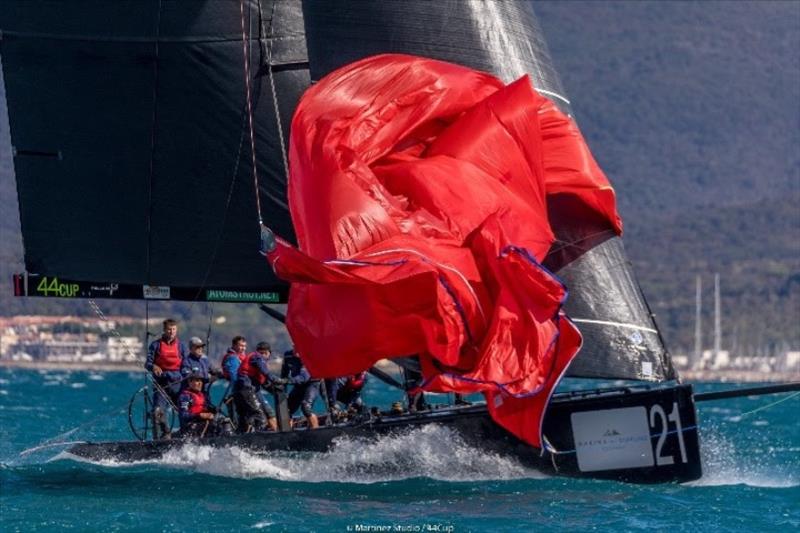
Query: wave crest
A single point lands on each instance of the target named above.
(431, 451)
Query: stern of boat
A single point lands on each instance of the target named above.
(642, 436)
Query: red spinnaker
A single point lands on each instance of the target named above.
(418, 192)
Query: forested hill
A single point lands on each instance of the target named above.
(693, 110)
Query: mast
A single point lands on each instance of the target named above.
(698, 328)
(717, 320)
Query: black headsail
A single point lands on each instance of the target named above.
(131, 148)
(504, 38)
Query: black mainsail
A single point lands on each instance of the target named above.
(142, 176)
(131, 153)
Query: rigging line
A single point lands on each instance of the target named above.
(231, 186)
(113, 330)
(747, 391)
(764, 407)
(153, 128)
(246, 53)
(550, 448)
(47, 443)
(146, 330)
(269, 37)
(210, 307)
(218, 240)
(573, 244)
(29, 451)
(666, 359)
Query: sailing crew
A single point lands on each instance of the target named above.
(164, 358)
(304, 390)
(252, 411)
(196, 362)
(198, 417)
(233, 358)
(230, 366)
(346, 390)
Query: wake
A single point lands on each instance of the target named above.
(430, 451)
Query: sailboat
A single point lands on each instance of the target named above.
(130, 125)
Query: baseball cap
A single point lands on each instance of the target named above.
(196, 341)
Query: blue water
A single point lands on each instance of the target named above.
(425, 481)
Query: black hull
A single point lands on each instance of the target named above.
(597, 434)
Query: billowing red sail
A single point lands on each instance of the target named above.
(418, 192)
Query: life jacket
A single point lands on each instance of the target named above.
(198, 401)
(355, 382)
(251, 371)
(228, 355)
(168, 356)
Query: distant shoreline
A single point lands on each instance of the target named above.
(733, 376)
(52, 365)
(739, 376)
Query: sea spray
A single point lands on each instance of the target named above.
(432, 451)
(725, 463)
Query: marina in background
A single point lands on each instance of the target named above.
(91, 343)
(70, 342)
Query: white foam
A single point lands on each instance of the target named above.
(430, 451)
(110, 463)
(736, 478)
(724, 465)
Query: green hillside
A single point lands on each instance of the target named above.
(693, 111)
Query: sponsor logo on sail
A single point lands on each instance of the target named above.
(213, 295)
(54, 287)
(110, 288)
(155, 292)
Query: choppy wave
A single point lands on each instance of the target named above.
(431, 451)
(723, 464)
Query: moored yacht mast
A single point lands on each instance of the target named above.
(717, 320)
(698, 329)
